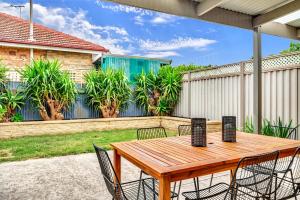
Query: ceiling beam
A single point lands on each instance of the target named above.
(187, 8)
(282, 30)
(276, 13)
(207, 5)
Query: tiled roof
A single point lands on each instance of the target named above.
(16, 30)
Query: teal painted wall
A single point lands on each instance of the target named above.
(131, 66)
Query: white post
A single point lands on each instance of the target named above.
(257, 81)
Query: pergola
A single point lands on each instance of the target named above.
(275, 17)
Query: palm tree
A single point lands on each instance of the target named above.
(158, 93)
(108, 91)
(11, 101)
(49, 88)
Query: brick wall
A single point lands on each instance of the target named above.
(16, 58)
(8, 130)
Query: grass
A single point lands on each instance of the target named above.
(30, 147)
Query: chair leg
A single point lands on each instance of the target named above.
(211, 180)
(140, 182)
(179, 190)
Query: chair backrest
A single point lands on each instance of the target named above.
(288, 132)
(151, 133)
(255, 172)
(184, 130)
(108, 172)
(295, 166)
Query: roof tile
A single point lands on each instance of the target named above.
(16, 30)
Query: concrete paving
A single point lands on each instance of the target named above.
(68, 177)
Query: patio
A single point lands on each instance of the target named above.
(68, 177)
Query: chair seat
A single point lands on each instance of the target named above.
(152, 185)
(135, 190)
(217, 191)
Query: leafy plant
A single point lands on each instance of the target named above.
(281, 129)
(185, 68)
(3, 77)
(277, 129)
(267, 128)
(11, 101)
(158, 93)
(294, 47)
(2, 112)
(49, 88)
(248, 126)
(17, 118)
(108, 91)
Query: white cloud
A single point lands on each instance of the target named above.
(138, 20)
(175, 44)
(161, 54)
(162, 18)
(122, 8)
(75, 23)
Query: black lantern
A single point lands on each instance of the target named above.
(229, 129)
(199, 132)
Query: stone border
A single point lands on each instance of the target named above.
(19, 129)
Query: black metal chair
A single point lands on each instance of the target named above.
(248, 181)
(153, 133)
(122, 191)
(292, 132)
(187, 130)
(288, 184)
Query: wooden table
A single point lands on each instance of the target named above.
(173, 159)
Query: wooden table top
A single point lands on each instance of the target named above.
(175, 157)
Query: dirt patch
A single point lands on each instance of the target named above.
(5, 153)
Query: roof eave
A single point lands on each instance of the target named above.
(51, 48)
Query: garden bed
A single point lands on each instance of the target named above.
(18, 129)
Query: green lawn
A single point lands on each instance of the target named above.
(58, 145)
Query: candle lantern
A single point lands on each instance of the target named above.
(198, 132)
(229, 129)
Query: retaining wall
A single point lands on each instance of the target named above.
(18, 129)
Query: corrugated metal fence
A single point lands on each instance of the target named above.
(79, 110)
(227, 90)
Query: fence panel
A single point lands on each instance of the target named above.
(228, 90)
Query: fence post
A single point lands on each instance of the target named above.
(242, 94)
(189, 94)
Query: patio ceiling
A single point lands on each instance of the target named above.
(247, 14)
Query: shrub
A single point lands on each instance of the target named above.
(248, 126)
(11, 101)
(17, 118)
(108, 91)
(3, 77)
(49, 88)
(2, 112)
(158, 93)
(185, 68)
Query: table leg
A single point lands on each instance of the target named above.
(117, 165)
(164, 188)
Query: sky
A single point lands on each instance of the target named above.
(133, 31)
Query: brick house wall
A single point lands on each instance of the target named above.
(16, 58)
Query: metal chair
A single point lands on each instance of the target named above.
(288, 185)
(121, 191)
(187, 130)
(292, 132)
(246, 182)
(153, 133)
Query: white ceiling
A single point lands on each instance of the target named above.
(253, 7)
